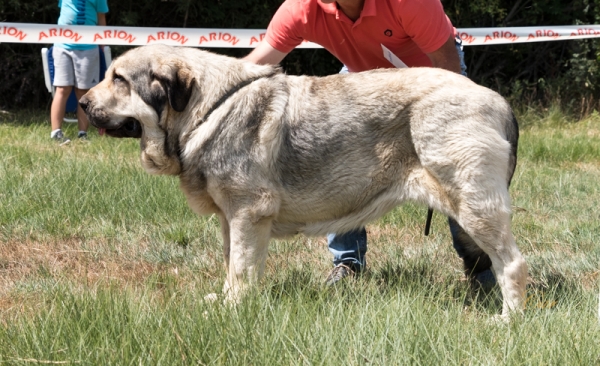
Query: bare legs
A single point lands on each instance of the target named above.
(59, 106)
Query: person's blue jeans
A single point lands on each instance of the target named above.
(350, 248)
(461, 55)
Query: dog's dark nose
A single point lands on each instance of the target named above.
(84, 102)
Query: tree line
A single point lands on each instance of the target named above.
(540, 73)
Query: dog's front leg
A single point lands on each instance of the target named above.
(249, 241)
(226, 239)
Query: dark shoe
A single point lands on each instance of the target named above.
(340, 272)
(83, 136)
(61, 139)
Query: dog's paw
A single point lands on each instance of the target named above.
(499, 319)
(211, 298)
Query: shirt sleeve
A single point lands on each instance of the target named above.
(102, 6)
(283, 31)
(426, 23)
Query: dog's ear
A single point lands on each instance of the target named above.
(177, 79)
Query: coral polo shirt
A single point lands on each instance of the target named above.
(408, 28)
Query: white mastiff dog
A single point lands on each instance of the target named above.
(276, 155)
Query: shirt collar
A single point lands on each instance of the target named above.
(369, 9)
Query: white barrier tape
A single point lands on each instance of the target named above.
(249, 38)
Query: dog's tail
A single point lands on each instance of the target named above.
(512, 135)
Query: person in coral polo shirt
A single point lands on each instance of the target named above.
(366, 35)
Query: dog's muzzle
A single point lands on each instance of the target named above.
(131, 128)
(128, 128)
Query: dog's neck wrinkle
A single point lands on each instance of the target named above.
(230, 92)
(172, 132)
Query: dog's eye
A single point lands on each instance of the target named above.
(118, 78)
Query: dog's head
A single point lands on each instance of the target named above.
(141, 96)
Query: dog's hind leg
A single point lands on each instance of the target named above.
(490, 229)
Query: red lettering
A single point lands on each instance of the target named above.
(183, 40)
(14, 32)
(21, 35)
(67, 33)
(130, 38)
(587, 31)
(544, 33)
(256, 40)
(120, 34)
(499, 35)
(466, 37)
(225, 37)
(175, 36)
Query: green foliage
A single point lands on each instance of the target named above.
(559, 71)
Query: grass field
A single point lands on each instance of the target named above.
(103, 264)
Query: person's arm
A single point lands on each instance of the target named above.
(446, 57)
(101, 19)
(264, 53)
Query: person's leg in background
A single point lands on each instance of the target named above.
(82, 120)
(348, 251)
(64, 80)
(461, 55)
(86, 64)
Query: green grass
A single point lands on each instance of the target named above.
(101, 263)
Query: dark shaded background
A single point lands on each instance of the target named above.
(532, 73)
